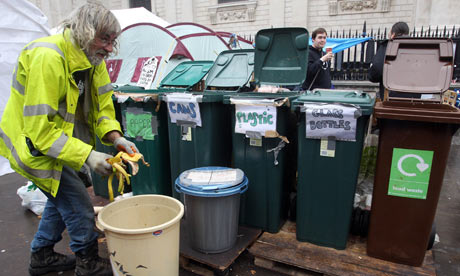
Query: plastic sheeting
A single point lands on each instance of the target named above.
(340, 44)
(20, 23)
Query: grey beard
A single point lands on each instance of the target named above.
(94, 60)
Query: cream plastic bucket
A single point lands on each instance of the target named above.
(142, 235)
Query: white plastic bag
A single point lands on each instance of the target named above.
(32, 198)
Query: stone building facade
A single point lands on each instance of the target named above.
(246, 17)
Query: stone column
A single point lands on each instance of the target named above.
(170, 11)
(187, 10)
(277, 13)
(299, 13)
(423, 13)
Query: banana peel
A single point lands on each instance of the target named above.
(119, 170)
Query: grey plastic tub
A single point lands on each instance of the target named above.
(212, 202)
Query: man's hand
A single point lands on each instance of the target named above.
(122, 144)
(97, 162)
(328, 56)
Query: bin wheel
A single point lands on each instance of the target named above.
(365, 216)
(432, 237)
(355, 223)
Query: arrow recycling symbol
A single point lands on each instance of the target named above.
(421, 166)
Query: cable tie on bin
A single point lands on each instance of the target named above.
(276, 150)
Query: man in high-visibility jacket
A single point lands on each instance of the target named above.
(61, 98)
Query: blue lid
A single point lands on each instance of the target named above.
(211, 182)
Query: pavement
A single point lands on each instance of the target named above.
(18, 226)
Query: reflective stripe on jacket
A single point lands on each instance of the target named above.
(38, 122)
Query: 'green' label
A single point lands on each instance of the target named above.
(139, 125)
(410, 173)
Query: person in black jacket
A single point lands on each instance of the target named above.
(376, 67)
(319, 63)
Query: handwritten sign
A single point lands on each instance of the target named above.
(184, 107)
(255, 118)
(139, 125)
(149, 69)
(326, 120)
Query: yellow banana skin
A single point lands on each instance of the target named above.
(119, 171)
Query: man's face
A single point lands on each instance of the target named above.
(319, 41)
(100, 49)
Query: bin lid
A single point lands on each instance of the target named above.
(232, 68)
(418, 65)
(356, 97)
(140, 90)
(262, 97)
(211, 181)
(417, 111)
(281, 56)
(187, 73)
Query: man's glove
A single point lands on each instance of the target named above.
(122, 144)
(97, 162)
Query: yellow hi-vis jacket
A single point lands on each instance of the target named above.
(41, 110)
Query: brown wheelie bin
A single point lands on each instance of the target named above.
(414, 144)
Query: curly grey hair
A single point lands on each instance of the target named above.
(90, 20)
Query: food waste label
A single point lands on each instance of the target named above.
(410, 173)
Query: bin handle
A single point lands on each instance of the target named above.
(99, 225)
(158, 104)
(244, 189)
(359, 93)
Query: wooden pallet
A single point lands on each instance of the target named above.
(283, 253)
(214, 264)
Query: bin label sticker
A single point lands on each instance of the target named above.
(326, 120)
(255, 142)
(255, 118)
(148, 71)
(140, 125)
(410, 173)
(212, 177)
(184, 108)
(327, 147)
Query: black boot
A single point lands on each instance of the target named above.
(90, 264)
(46, 260)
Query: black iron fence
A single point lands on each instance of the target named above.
(353, 63)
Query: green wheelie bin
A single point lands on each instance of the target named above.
(264, 132)
(144, 121)
(231, 72)
(195, 145)
(201, 135)
(330, 142)
(197, 128)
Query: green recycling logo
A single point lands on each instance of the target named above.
(422, 166)
(410, 173)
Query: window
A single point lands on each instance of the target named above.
(141, 3)
(227, 1)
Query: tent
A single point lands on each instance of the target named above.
(171, 45)
(127, 17)
(242, 43)
(20, 23)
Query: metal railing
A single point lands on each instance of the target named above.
(353, 63)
